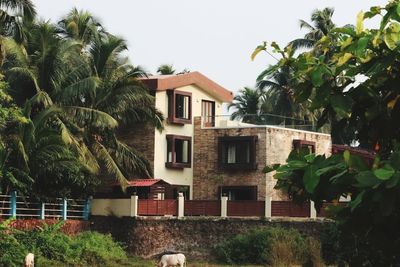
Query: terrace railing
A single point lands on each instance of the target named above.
(21, 207)
(260, 120)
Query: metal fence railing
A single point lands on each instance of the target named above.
(261, 120)
(21, 207)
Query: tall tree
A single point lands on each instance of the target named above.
(321, 24)
(368, 224)
(246, 105)
(87, 94)
(166, 69)
(81, 26)
(13, 14)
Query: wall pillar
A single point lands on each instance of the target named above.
(64, 209)
(181, 205)
(224, 206)
(313, 211)
(42, 211)
(13, 204)
(86, 208)
(268, 207)
(134, 206)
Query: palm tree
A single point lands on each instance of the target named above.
(277, 98)
(166, 69)
(80, 26)
(85, 95)
(13, 15)
(246, 105)
(321, 24)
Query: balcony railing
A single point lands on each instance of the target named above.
(261, 120)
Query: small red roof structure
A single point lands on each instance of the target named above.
(143, 182)
(367, 155)
(165, 82)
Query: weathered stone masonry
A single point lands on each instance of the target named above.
(273, 146)
(196, 237)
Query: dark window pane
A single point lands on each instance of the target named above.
(182, 108)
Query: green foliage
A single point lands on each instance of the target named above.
(69, 87)
(51, 246)
(273, 246)
(370, 110)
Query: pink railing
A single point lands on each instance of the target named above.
(202, 208)
(246, 208)
(149, 207)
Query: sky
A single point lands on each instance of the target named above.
(215, 37)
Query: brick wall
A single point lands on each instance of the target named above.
(69, 227)
(206, 176)
(273, 146)
(141, 138)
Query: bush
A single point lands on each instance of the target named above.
(97, 249)
(275, 246)
(52, 247)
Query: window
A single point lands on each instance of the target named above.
(208, 113)
(239, 192)
(179, 107)
(179, 151)
(237, 153)
(298, 144)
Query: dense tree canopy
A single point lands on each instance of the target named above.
(74, 87)
(354, 81)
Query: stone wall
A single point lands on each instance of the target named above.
(273, 146)
(206, 176)
(279, 144)
(196, 237)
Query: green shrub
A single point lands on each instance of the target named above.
(275, 246)
(53, 248)
(97, 249)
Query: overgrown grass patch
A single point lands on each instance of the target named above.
(273, 246)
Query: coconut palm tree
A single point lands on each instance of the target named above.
(276, 85)
(246, 105)
(13, 14)
(81, 26)
(321, 24)
(166, 69)
(86, 96)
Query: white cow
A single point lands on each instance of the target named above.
(29, 260)
(172, 260)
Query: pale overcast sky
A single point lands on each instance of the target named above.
(215, 37)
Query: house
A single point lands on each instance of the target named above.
(206, 155)
(180, 98)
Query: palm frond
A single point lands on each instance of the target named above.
(111, 166)
(90, 117)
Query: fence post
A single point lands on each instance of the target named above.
(224, 206)
(268, 207)
(42, 211)
(181, 205)
(313, 211)
(64, 209)
(134, 206)
(13, 204)
(86, 208)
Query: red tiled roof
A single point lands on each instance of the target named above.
(365, 153)
(165, 82)
(143, 182)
